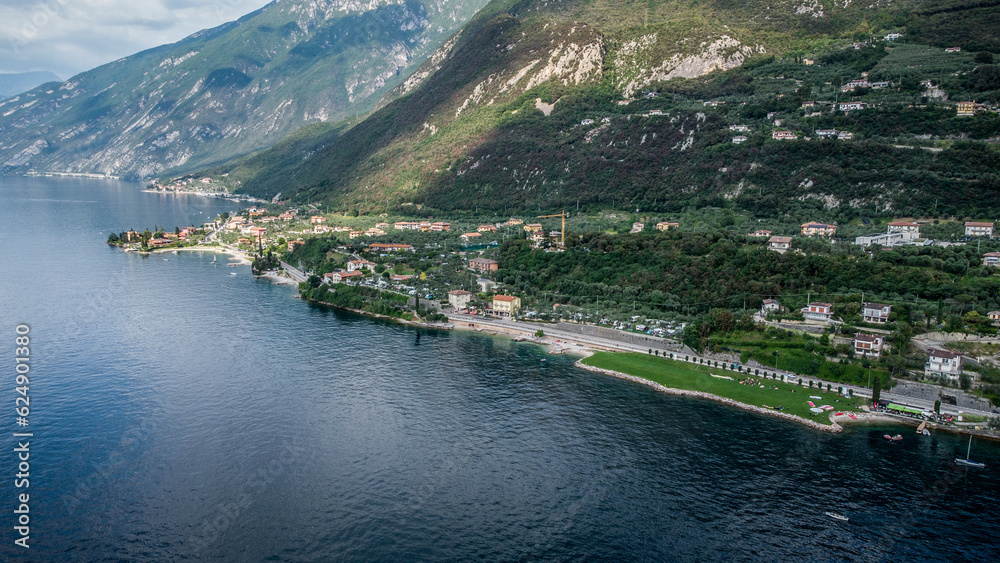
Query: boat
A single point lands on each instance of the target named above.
(968, 462)
(895, 438)
(232, 273)
(837, 516)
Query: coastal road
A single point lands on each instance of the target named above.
(294, 273)
(529, 329)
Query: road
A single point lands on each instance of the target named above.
(602, 343)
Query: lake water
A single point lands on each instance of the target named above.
(183, 413)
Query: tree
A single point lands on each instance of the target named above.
(937, 406)
(877, 389)
(539, 334)
(983, 57)
(965, 382)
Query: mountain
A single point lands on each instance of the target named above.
(15, 83)
(544, 104)
(226, 91)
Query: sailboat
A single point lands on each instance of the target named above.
(968, 462)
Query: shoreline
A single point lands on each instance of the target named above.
(833, 427)
(438, 326)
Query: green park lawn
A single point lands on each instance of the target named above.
(683, 375)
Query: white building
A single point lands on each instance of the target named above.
(868, 345)
(978, 229)
(943, 362)
(881, 239)
(876, 312)
(818, 311)
(779, 244)
(909, 229)
(459, 299)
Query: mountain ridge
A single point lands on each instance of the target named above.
(225, 91)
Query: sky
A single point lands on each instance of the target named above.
(70, 36)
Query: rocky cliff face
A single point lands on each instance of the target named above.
(226, 91)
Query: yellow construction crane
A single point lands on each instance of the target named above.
(562, 233)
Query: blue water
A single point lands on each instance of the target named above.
(182, 413)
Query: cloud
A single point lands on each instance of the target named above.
(71, 36)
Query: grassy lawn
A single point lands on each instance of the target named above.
(682, 375)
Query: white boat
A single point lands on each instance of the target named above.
(836, 516)
(968, 462)
(232, 273)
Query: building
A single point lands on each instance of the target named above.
(881, 239)
(353, 265)
(869, 345)
(856, 83)
(638, 227)
(459, 299)
(994, 316)
(486, 284)
(818, 311)
(760, 233)
(784, 135)
(909, 229)
(893, 36)
(506, 305)
(666, 226)
(317, 219)
(779, 244)
(340, 276)
(533, 228)
(466, 237)
(978, 229)
(768, 306)
(845, 136)
(319, 229)
(355, 234)
(851, 106)
(823, 133)
(374, 232)
(740, 128)
(439, 226)
(943, 363)
(293, 244)
(484, 265)
(991, 259)
(512, 221)
(876, 312)
(821, 229)
(406, 226)
(486, 229)
(739, 139)
(952, 49)
(384, 247)
(808, 62)
(966, 109)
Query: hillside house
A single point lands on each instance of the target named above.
(826, 133)
(293, 244)
(353, 265)
(740, 128)
(994, 317)
(966, 109)
(779, 244)
(506, 305)
(533, 228)
(876, 312)
(808, 62)
(952, 49)
(739, 139)
(512, 221)
(869, 345)
(319, 229)
(466, 237)
(943, 363)
(881, 239)
(909, 229)
(821, 229)
(484, 265)
(760, 233)
(768, 306)
(406, 225)
(666, 226)
(845, 136)
(978, 229)
(638, 227)
(439, 226)
(818, 311)
(991, 259)
(784, 135)
(341, 276)
(851, 106)
(486, 229)
(317, 219)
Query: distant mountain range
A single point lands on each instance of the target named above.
(226, 91)
(665, 105)
(15, 83)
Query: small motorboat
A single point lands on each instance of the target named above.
(837, 516)
(232, 273)
(895, 438)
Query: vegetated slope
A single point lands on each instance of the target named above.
(226, 91)
(536, 105)
(17, 82)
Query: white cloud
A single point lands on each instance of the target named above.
(71, 36)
